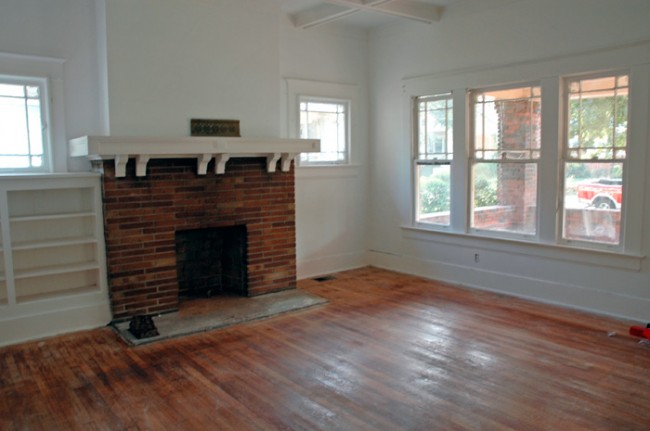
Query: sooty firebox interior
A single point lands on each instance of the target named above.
(211, 262)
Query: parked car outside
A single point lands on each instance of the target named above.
(604, 193)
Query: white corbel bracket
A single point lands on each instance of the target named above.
(272, 162)
(202, 163)
(286, 161)
(120, 164)
(220, 163)
(141, 165)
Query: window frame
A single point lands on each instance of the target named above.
(564, 159)
(52, 71)
(446, 160)
(44, 98)
(304, 159)
(473, 161)
(295, 88)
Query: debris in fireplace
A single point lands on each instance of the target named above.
(142, 326)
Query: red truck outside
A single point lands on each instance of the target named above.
(605, 193)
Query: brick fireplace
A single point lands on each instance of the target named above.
(158, 192)
(143, 214)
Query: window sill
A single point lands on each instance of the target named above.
(527, 248)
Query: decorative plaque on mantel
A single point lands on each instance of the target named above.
(203, 127)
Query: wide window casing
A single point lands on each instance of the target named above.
(433, 158)
(24, 131)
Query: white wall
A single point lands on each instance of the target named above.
(63, 30)
(173, 60)
(331, 202)
(517, 33)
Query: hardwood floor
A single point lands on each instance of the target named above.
(389, 352)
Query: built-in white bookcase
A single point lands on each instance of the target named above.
(52, 266)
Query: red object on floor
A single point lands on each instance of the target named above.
(637, 331)
(640, 331)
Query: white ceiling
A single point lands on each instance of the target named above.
(363, 13)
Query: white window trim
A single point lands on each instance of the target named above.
(550, 72)
(49, 70)
(297, 88)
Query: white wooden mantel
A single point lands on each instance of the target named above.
(203, 149)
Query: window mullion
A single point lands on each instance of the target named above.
(460, 164)
(548, 174)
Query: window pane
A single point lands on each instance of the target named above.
(12, 90)
(13, 127)
(326, 121)
(597, 120)
(507, 123)
(17, 162)
(33, 92)
(593, 195)
(433, 194)
(505, 197)
(35, 127)
(22, 137)
(435, 127)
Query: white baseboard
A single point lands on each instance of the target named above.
(565, 295)
(31, 327)
(308, 268)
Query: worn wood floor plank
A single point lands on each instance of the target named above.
(389, 352)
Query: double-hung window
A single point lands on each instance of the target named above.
(328, 120)
(504, 157)
(434, 154)
(594, 156)
(552, 159)
(23, 124)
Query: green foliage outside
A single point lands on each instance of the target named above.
(435, 193)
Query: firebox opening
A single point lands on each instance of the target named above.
(211, 262)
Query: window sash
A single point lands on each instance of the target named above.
(441, 147)
(24, 148)
(592, 212)
(334, 146)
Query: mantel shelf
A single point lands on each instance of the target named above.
(203, 149)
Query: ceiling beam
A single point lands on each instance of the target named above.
(321, 14)
(412, 9)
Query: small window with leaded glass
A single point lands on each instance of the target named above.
(23, 125)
